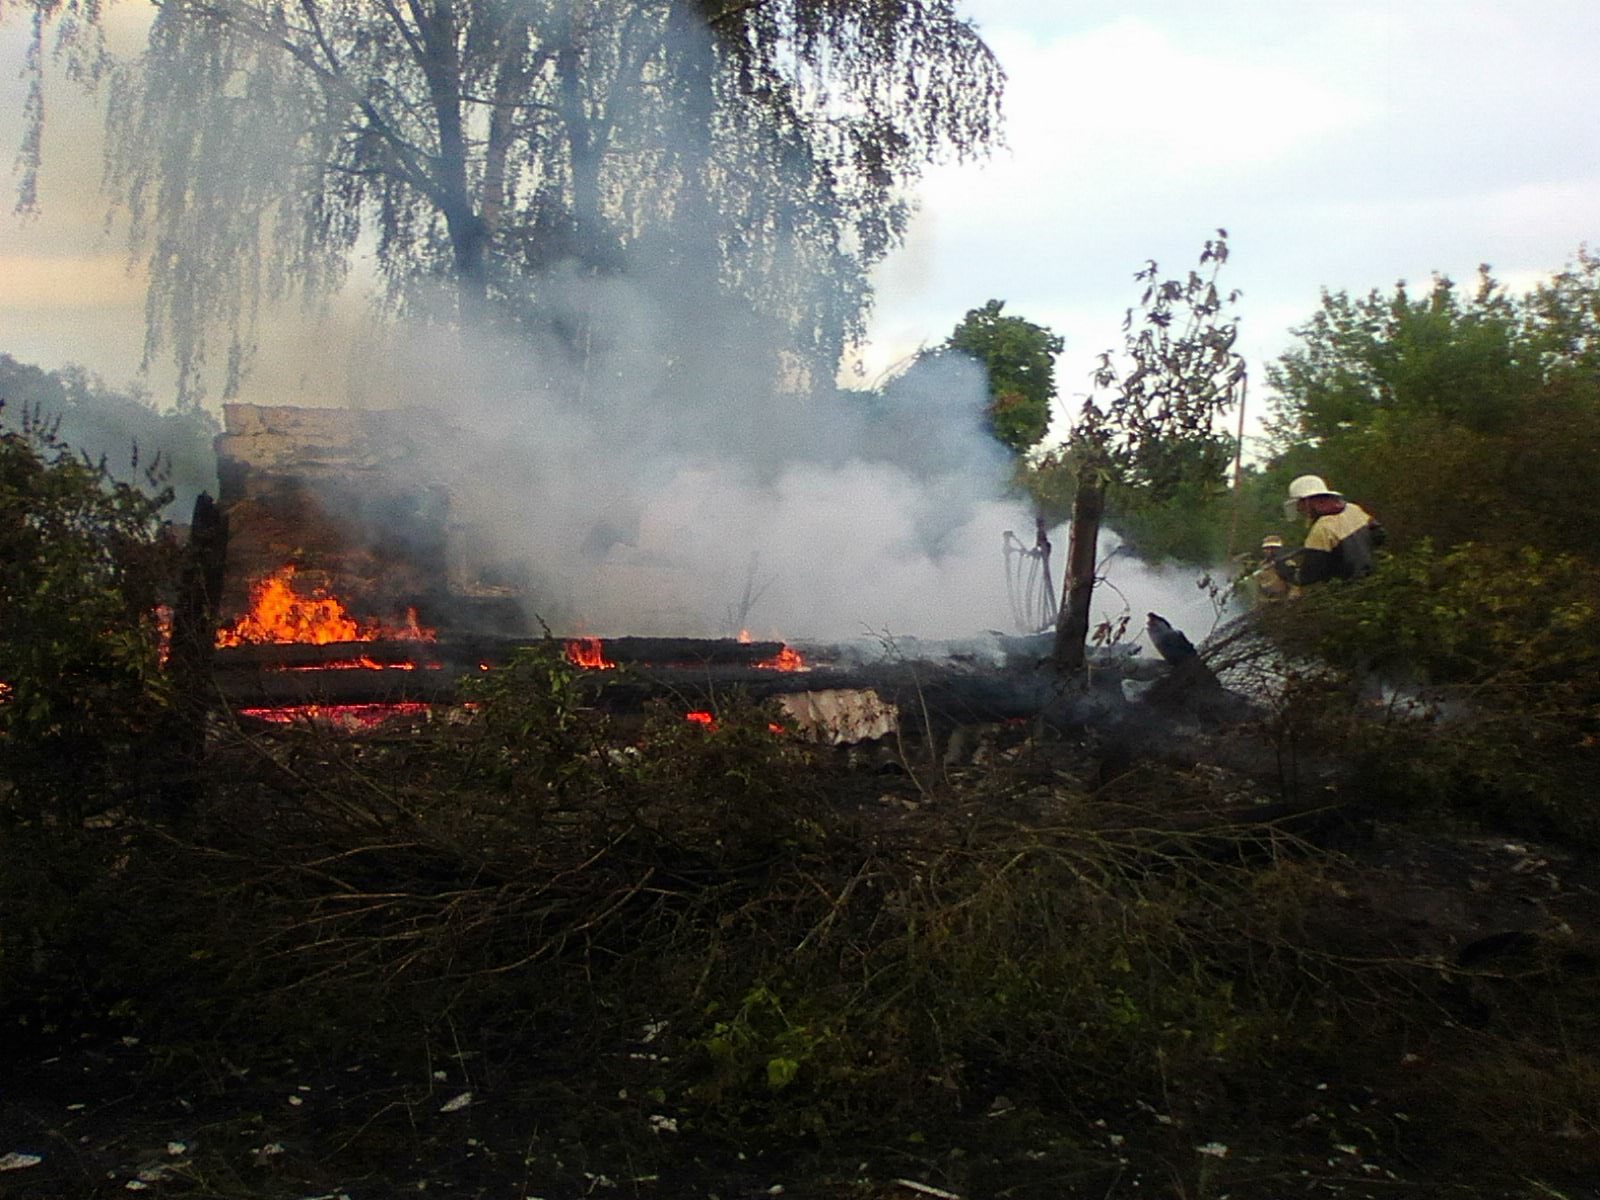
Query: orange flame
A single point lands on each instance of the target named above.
(279, 614)
(788, 659)
(744, 637)
(589, 652)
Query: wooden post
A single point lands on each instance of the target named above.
(194, 634)
(1072, 628)
(1238, 470)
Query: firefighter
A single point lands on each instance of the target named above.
(1341, 539)
(1265, 581)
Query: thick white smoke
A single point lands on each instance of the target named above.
(619, 498)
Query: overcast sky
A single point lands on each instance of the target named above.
(1343, 144)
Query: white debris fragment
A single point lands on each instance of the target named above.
(927, 1189)
(651, 1031)
(840, 716)
(267, 1153)
(297, 1101)
(137, 1185)
(16, 1161)
(440, 1076)
(1212, 1150)
(457, 1104)
(1345, 1148)
(177, 1149)
(661, 1124)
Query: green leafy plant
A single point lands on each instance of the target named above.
(83, 570)
(1492, 658)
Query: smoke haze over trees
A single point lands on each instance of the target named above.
(753, 151)
(100, 422)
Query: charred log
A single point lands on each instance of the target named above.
(927, 695)
(470, 653)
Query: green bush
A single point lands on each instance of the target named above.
(1492, 657)
(83, 569)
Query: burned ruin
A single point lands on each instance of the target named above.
(348, 580)
(348, 501)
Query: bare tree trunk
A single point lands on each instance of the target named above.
(440, 59)
(1072, 626)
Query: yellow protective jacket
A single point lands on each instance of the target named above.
(1338, 546)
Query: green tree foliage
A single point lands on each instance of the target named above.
(754, 150)
(1471, 425)
(82, 571)
(1498, 645)
(1459, 418)
(1019, 357)
(1150, 424)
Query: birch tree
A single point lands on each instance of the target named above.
(762, 145)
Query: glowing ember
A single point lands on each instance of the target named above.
(788, 659)
(351, 717)
(710, 721)
(279, 614)
(363, 663)
(163, 615)
(589, 652)
(744, 637)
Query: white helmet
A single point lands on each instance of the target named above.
(1304, 488)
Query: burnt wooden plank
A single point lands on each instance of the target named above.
(466, 653)
(925, 693)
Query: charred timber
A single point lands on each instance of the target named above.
(936, 694)
(469, 653)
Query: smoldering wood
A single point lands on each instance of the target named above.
(467, 653)
(925, 693)
(685, 650)
(348, 498)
